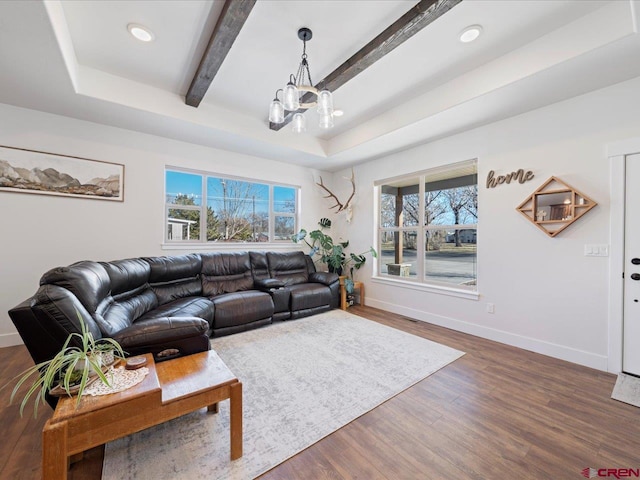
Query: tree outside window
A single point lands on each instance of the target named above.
(233, 210)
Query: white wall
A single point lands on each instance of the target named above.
(41, 232)
(548, 296)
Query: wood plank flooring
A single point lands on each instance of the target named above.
(498, 412)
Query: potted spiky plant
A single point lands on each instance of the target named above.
(75, 366)
(333, 253)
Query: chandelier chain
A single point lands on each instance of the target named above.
(303, 67)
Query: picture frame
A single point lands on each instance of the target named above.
(44, 173)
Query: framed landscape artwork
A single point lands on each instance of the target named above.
(30, 171)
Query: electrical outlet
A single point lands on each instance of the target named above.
(491, 308)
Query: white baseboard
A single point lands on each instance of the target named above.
(10, 339)
(562, 352)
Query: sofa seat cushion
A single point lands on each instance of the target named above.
(116, 313)
(241, 307)
(160, 331)
(184, 307)
(309, 295)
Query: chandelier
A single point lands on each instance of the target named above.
(297, 89)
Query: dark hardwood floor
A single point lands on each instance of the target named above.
(497, 412)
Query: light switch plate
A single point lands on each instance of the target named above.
(596, 250)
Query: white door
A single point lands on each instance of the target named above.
(631, 344)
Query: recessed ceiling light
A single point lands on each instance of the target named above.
(470, 33)
(140, 32)
(337, 112)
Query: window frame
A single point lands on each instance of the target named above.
(273, 213)
(202, 208)
(419, 282)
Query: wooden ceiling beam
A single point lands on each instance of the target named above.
(421, 15)
(234, 14)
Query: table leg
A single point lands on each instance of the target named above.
(235, 407)
(343, 297)
(213, 408)
(362, 294)
(54, 451)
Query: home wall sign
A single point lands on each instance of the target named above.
(520, 175)
(554, 206)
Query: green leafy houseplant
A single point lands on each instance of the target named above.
(72, 367)
(332, 253)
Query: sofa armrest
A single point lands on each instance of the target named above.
(326, 278)
(160, 331)
(267, 284)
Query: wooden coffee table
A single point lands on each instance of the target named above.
(171, 389)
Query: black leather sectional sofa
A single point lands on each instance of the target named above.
(170, 306)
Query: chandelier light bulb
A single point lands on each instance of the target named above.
(326, 121)
(325, 102)
(276, 110)
(291, 96)
(299, 123)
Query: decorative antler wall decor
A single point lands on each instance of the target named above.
(339, 205)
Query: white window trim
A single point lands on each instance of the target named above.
(426, 287)
(234, 246)
(418, 282)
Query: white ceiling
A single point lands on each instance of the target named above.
(76, 58)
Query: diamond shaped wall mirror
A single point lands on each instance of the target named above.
(554, 206)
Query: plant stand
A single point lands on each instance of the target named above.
(358, 289)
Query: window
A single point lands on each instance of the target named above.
(201, 207)
(427, 226)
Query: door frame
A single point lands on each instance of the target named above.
(616, 154)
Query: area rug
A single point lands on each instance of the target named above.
(302, 380)
(627, 389)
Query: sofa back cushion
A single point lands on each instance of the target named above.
(57, 311)
(176, 277)
(225, 273)
(259, 265)
(131, 296)
(290, 267)
(311, 267)
(88, 281)
(127, 275)
(178, 267)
